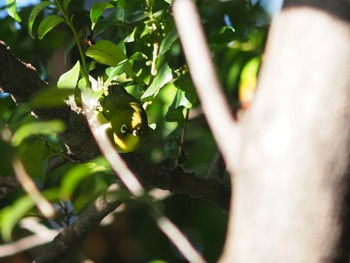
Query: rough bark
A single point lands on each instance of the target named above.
(291, 184)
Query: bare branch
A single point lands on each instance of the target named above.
(176, 180)
(42, 236)
(87, 220)
(21, 245)
(291, 198)
(134, 186)
(29, 186)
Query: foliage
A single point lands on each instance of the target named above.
(134, 44)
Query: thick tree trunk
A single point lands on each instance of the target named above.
(291, 186)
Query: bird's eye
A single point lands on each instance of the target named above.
(124, 129)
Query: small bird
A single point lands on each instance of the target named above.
(127, 118)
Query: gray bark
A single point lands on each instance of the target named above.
(291, 185)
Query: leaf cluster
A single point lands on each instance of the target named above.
(134, 44)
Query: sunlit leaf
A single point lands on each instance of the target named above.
(97, 10)
(11, 6)
(91, 97)
(77, 173)
(48, 23)
(35, 12)
(113, 72)
(108, 53)
(70, 78)
(10, 216)
(163, 77)
(29, 129)
(131, 37)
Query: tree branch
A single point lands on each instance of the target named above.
(291, 198)
(22, 82)
(77, 231)
(176, 180)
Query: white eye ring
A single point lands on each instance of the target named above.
(124, 129)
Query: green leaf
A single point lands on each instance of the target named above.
(66, 4)
(175, 112)
(29, 129)
(112, 72)
(91, 97)
(35, 164)
(146, 30)
(97, 10)
(108, 53)
(77, 173)
(68, 49)
(70, 78)
(184, 83)
(35, 12)
(50, 98)
(115, 71)
(82, 83)
(136, 16)
(131, 37)
(12, 214)
(47, 24)
(163, 77)
(168, 41)
(124, 66)
(11, 6)
(138, 56)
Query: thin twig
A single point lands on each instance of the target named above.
(23, 244)
(203, 73)
(135, 187)
(154, 58)
(28, 185)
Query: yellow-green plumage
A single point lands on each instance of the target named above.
(127, 118)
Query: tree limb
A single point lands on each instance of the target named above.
(291, 198)
(78, 230)
(22, 82)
